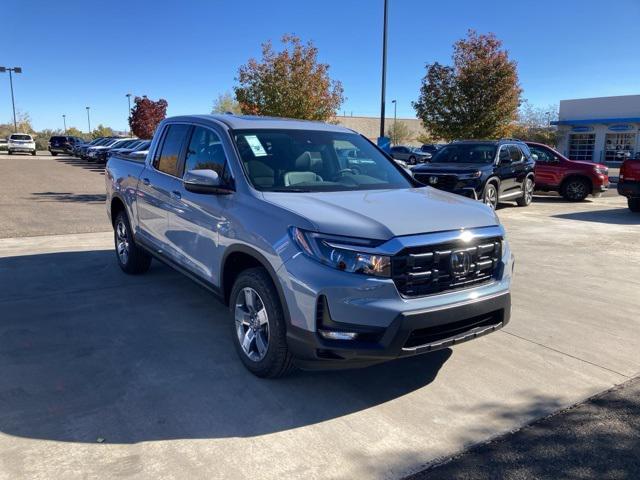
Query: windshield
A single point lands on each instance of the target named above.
(314, 161)
(466, 153)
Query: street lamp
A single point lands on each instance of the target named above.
(384, 67)
(64, 121)
(13, 102)
(89, 119)
(128, 95)
(395, 132)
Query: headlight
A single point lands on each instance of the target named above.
(342, 253)
(475, 174)
(601, 170)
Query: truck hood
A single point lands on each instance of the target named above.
(384, 214)
(451, 167)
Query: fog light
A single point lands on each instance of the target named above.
(335, 335)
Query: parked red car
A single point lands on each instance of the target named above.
(573, 179)
(629, 182)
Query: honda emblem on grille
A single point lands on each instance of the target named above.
(460, 263)
(433, 180)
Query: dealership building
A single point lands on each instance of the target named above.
(601, 129)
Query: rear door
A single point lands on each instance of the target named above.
(504, 171)
(159, 186)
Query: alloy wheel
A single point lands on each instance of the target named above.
(576, 190)
(252, 324)
(122, 242)
(528, 191)
(491, 197)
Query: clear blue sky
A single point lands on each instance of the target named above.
(76, 54)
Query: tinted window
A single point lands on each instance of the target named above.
(205, 152)
(57, 139)
(515, 152)
(20, 137)
(466, 153)
(543, 154)
(505, 155)
(168, 159)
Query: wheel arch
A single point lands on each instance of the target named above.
(116, 206)
(576, 176)
(238, 258)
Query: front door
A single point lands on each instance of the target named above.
(505, 172)
(548, 169)
(194, 227)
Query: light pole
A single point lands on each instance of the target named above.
(384, 67)
(548, 114)
(64, 121)
(13, 102)
(128, 95)
(89, 119)
(395, 132)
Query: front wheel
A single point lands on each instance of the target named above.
(527, 193)
(131, 258)
(33, 153)
(576, 190)
(259, 330)
(490, 196)
(634, 204)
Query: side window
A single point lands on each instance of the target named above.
(205, 152)
(516, 153)
(168, 160)
(543, 155)
(505, 155)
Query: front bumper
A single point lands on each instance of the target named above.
(629, 188)
(390, 325)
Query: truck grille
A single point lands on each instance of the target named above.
(445, 182)
(431, 269)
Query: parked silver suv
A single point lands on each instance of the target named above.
(324, 258)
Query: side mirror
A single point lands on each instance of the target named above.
(534, 156)
(205, 181)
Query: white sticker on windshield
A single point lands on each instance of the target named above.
(256, 146)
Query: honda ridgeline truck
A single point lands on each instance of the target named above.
(327, 252)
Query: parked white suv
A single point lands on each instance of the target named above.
(21, 142)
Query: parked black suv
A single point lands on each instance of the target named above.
(62, 144)
(487, 170)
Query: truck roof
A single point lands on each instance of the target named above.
(253, 122)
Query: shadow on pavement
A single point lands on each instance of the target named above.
(616, 216)
(88, 352)
(69, 197)
(78, 162)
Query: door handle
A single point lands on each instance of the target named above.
(176, 194)
(146, 181)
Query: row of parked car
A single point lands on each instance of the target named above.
(100, 149)
(501, 170)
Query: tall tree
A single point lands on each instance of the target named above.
(290, 83)
(225, 103)
(102, 131)
(534, 124)
(146, 114)
(477, 97)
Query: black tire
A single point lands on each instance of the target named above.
(136, 260)
(575, 189)
(33, 153)
(54, 154)
(277, 361)
(9, 152)
(634, 204)
(490, 195)
(527, 193)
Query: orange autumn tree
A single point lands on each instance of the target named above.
(146, 115)
(290, 83)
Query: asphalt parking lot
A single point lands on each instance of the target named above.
(106, 375)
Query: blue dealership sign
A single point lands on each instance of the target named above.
(621, 127)
(385, 144)
(582, 129)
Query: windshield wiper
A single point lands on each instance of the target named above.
(294, 190)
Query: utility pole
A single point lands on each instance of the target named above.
(384, 67)
(64, 121)
(13, 102)
(89, 119)
(395, 132)
(128, 95)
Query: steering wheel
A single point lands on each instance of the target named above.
(350, 171)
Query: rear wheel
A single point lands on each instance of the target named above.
(527, 193)
(634, 204)
(259, 330)
(33, 153)
(53, 154)
(490, 196)
(575, 189)
(10, 152)
(131, 258)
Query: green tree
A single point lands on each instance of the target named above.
(226, 103)
(399, 133)
(102, 131)
(477, 97)
(75, 132)
(290, 83)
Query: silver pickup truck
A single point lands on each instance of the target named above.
(327, 252)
